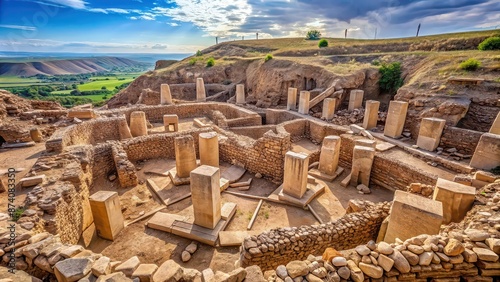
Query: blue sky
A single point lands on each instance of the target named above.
(184, 26)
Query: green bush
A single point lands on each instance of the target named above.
(323, 43)
(390, 79)
(17, 214)
(210, 62)
(192, 62)
(313, 35)
(198, 53)
(470, 64)
(492, 43)
(268, 57)
(376, 62)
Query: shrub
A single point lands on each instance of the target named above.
(492, 43)
(390, 79)
(323, 43)
(192, 62)
(376, 62)
(198, 53)
(268, 57)
(16, 215)
(313, 35)
(210, 62)
(470, 64)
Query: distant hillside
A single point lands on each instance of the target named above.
(67, 66)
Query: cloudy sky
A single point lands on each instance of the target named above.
(184, 26)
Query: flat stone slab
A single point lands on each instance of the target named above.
(18, 145)
(241, 184)
(176, 180)
(197, 233)
(224, 184)
(313, 190)
(346, 181)
(227, 211)
(233, 173)
(32, 181)
(323, 176)
(163, 221)
(465, 80)
(384, 146)
(234, 238)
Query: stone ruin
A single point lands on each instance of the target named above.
(439, 223)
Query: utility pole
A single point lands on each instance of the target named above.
(216, 40)
(345, 36)
(418, 29)
(243, 38)
(375, 33)
(257, 36)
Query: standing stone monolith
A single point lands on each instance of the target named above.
(495, 127)
(107, 213)
(487, 153)
(171, 120)
(240, 94)
(295, 174)
(371, 114)
(205, 196)
(457, 199)
(356, 99)
(304, 102)
(362, 161)
(329, 156)
(138, 124)
(430, 132)
(292, 99)
(209, 148)
(201, 95)
(329, 105)
(124, 130)
(185, 155)
(166, 96)
(396, 117)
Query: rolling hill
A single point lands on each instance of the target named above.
(66, 66)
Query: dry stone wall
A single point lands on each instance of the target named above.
(464, 140)
(279, 246)
(124, 168)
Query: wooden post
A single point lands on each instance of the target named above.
(250, 224)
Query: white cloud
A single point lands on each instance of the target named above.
(173, 24)
(21, 27)
(76, 4)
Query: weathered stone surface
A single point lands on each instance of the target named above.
(412, 258)
(254, 273)
(237, 275)
(400, 263)
(129, 266)
(453, 248)
(371, 270)
(72, 269)
(384, 248)
(185, 256)
(485, 254)
(425, 258)
(385, 262)
(344, 272)
(362, 250)
(145, 272)
(339, 261)
(330, 253)
(191, 274)
(114, 277)
(494, 245)
(477, 235)
(101, 266)
(356, 273)
(169, 271)
(191, 248)
(415, 249)
(297, 268)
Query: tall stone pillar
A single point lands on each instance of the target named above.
(495, 127)
(295, 174)
(209, 149)
(201, 95)
(356, 99)
(329, 105)
(304, 102)
(205, 195)
(124, 130)
(396, 117)
(166, 96)
(240, 94)
(457, 199)
(371, 114)
(430, 132)
(185, 155)
(329, 156)
(487, 153)
(107, 213)
(292, 99)
(138, 124)
(362, 161)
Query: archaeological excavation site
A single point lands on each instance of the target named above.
(296, 168)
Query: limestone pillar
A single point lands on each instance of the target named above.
(138, 124)
(169, 120)
(329, 156)
(185, 155)
(356, 99)
(107, 213)
(36, 135)
(329, 105)
(362, 160)
(205, 196)
(371, 114)
(366, 143)
(292, 99)
(396, 117)
(295, 174)
(209, 149)
(495, 127)
(487, 154)
(412, 215)
(457, 199)
(201, 95)
(166, 96)
(430, 132)
(124, 130)
(304, 102)
(240, 94)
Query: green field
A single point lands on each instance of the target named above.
(14, 81)
(98, 84)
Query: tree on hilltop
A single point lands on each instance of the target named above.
(313, 35)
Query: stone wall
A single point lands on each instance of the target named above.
(464, 140)
(124, 168)
(254, 132)
(103, 163)
(480, 116)
(279, 246)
